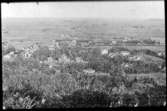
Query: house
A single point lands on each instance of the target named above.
(41, 62)
(126, 65)
(132, 42)
(114, 42)
(73, 43)
(112, 55)
(55, 44)
(160, 54)
(79, 60)
(104, 52)
(5, 44)
(89, 71)
(125, 40)
(64, 59)
(51, 47)
(135, 58)
(102, 43)
(125, 53)
(164, 69)
(50, 60)
(27, 55)
(149, 41)
(84, 43)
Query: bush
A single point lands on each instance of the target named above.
(88, 98)
(142, 67)
(129, 100)
(25, 98)
(42, 53)
(74, 67)
(157, 95)
(143, 99)
(101, 64)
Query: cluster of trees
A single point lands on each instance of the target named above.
(29, 84)
(68, 91)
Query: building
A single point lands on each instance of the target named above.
(84, 43)
(73, 43)
(55, 44)
(125, 53)
(27, 52)
(112, 54)
(114, 42)
(64, 59)
(160, 54)
(89, 71)
(51, 47)
(135, 58)
(104, 52)
(27, 55)
(80, 60)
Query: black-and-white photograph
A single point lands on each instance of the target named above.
(107, 54)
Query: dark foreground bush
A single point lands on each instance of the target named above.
(157, 95)
(87, 98)
(54, 102)
(26, 98)
(129, 100)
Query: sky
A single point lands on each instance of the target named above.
(121, 10)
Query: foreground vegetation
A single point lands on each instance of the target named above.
(69, 77)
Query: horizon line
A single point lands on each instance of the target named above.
(82, 18)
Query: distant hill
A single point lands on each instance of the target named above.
(46, 29)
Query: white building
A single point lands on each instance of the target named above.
(79, 59)
(89, 71)
(126, 65)
(114, 42)
(57, 45)
(73, 43)
(160, 54)
(64, 59)
(5, 45)
(104, 52)
(54, 45)
(27, 55)
(125, 53)
(135, 58)
(112, 55)
(51, 47)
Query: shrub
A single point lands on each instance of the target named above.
(63, 83)
(142, 98)
(53, 102)
(101, 64)
(74, 67)
(25, 98)
(129, 100)
(157, 95)
(42, 53)
(87, 98)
